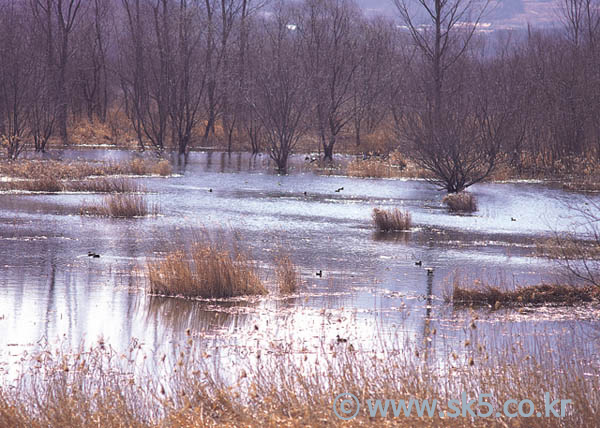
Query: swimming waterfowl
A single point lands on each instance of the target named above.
(429, 271)
(340, 339)
(419, 263)
(320, 273)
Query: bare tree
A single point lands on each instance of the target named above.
(91, 59)
(58, 19)
(131, 67)
(280, 99)
(188, 76)
(15, 75)
(581, 19)
(328, 30)
(375, 76)
(450, 135)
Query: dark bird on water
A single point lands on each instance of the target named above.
(305, 193)
(339, 190)
(210, 190)
(320, 273)
(340, 339)
(94, 255)
(513, 219)
(419, 263)
(429, 271)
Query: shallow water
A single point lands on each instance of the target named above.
(50, 290)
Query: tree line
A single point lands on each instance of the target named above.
(454, 97)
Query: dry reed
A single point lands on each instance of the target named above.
(126, 205)
(393, 220)
(461, 202)
(104, 185)
(78, 170)
(207, 271)
(494, 296)
(100, 387)
(287, 275)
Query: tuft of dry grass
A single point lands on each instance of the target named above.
(126, 205)
(207, 271)
(287, 275)
(393, 220)
(461, 202)
(555, 294)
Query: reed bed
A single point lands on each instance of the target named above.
(78, 170)
(101, 387)
(104, 185)
(542, 294)
(391, 220)
(47, 184)
(287, 275)
(121, 205)
(461, 202)
(206, 270)
(372, 168)
(394, 166)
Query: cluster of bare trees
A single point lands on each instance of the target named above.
(269, 74)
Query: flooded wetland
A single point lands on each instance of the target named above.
(73, 282)
(370, 283)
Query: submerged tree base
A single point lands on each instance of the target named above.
(523, 296)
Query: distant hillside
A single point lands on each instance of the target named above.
(501, 14)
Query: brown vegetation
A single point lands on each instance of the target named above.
(554, 294)
(78, 170)
(125, 205)
(100, 388)
(391, 220)
(48, 184)
(287, 275)
(207, 270)
(104, 185)
(461, 202)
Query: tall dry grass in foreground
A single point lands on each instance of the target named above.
(121, 205)
(206, 270)
(391, 220)
(461, 202)
(101, 387)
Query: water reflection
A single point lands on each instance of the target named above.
(198, 317)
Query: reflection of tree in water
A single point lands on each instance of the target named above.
(178, 315)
